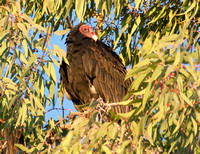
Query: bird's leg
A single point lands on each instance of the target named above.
(103, 109)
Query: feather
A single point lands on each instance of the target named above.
(94, 70)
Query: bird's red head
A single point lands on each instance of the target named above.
(88, 31)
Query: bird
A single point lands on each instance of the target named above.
(94, 71)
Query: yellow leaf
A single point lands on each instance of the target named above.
(61, 32)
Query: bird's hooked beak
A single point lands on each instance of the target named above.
(94, 37)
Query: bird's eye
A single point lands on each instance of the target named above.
(85, 29)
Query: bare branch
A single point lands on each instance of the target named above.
(69, 22)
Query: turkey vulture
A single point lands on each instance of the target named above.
(94, 70)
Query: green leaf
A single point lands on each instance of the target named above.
(156, 94)
(19, 116)
(128, 46)
(80, 7)
(68, 6)
(126, 115)
(138, 3)
(27, 18)
(180, 83)
(197, 115)
(41, 84)
(160, 15)
(156, 73)
(177, 59)
(184, 72)
(46, 70)
(23, 59)
(147, 46)
(170, 69)
(39, 27)
(53, 72)
(36, 86)
(186, 99)
(106, 149)
(108, 6)
(51, 91)
(127, 20)
(155, 134)
(144, 62)
(24, 43)
(176, 101)
(38, 103)
(39, 43)
(139, 92)
(189, 9)
(55, 61)
(149, 132)
(8, 80)
(61, 54)
(23, 148)
(127, 102)
(139, 146)
(68, 138)
(141, 77)
(24, 73)
(172, 145)
(169, 38)
(14, 99)
(194, 125)
(3, 49)
(30, 106)
(5, 22)
(24, 116)
(13, 87)
(61, 32)
(97, 4)
(116, 7)
(32, 60)
(136, 24)
(122, 32)
(23, 29)
(180, 121)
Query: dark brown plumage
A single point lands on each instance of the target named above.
(94, 70)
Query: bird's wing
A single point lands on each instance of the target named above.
(64, 78)
(106, 72)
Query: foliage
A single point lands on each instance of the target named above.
(159, 40)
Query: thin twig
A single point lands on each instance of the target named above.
(67, 116)
(69, 22)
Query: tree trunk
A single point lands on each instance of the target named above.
(7, 141)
